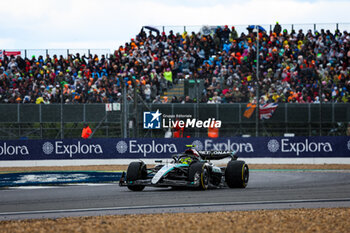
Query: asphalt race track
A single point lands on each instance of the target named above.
(266, 190)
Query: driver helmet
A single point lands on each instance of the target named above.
(186, 160)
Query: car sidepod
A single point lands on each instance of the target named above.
(215, 176)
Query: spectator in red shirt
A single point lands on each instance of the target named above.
(86, 133)
(178, 130)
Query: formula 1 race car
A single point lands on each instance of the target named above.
(191, 169)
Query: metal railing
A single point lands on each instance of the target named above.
(29, 53)
(188, 28)
(268, 27)
(180, 29)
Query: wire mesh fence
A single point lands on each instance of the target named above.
(46, 121)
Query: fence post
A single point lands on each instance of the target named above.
(309, 118)
(184, 28)
(240, 113)
(67, 53)
(25, 53)
(84, 113)
(135, 112)
(40, 120)
(163, 29)
(195, 116)
(47, 52)
(62, 133)
(314, 27)
(40, 111)
(286, 116)
(125, 109)
(320, 112)
(292, 28)
(217, 112)
(18, 114)
(333, 112)
(270, 28)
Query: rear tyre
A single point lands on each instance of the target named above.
(201, 172)
(136, 171)
(237, 174)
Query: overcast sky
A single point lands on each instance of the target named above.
(46, 24)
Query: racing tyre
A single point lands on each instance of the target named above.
(136, 171)
(237, 174)
(199, 171)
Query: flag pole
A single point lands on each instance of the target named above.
(257, 84)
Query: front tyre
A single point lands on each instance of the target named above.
(136, 171)
(237, 174)
(199, 172)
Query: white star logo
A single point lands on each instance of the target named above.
(156, 115)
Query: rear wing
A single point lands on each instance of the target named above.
(217, 155)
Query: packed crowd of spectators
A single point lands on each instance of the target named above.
(293, 67)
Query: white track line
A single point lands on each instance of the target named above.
(177, 206)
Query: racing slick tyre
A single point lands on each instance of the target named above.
(237, 174)
(199, 171)
(136, 171)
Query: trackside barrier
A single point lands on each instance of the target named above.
(148, 148)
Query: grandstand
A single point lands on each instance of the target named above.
(304, 71)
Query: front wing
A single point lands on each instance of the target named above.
(162, 183)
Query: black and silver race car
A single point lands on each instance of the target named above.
(191, 169)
